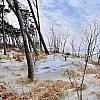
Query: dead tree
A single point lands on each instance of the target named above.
(64, 37)
(91, 34)
(73, 46)
(79, 48)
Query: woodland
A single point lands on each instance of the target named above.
(34, 69)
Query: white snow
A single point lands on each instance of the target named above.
(51, 65)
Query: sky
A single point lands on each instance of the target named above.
(64, 15)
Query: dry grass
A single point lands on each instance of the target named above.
(51, 90)
(6, 92)
(23, 81)
(4, 57)
(98, 76)
(94, 63)
(19, 57)
(71, 73)
(78, 88)
(97, 95)
(67, 53)
(14, 49)
(91, 71)
(2, 88)
(88, 70)
(95, 82)
(16, 74)
(41, 55)
(2, 75)
(47, 90)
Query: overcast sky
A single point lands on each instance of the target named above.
(64, 14)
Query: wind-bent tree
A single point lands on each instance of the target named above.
(3, 31)
(28, 35)
(23, 30)
(38, 22)
(15, 7)
(37, 26)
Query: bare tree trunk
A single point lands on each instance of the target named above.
(79, 48)
(98, 56)
(64, 47)
(28, 56)
(3, 30)
(86, 62)
(13, 41)
(38, 23)
(30, 46)
(40, 35)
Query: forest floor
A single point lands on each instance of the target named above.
(52, 78)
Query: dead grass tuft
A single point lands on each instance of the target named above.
(2, 75)
(23, 81)
(16, 74)
(78, 88)
(98, 76)
(95, 82)
(47, 90)
(71, 73)
(19, 57)
(94, 63)
(51, 90)
(97, 95)
(67, 53)
(91, 71)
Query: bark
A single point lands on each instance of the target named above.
(28, 56)
(38, 23)
(13, 42)
(3, 30)
(86, 62)
(19, 44)
(40, 35)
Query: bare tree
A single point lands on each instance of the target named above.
(55, 40)
(64, 40)
(73, 46)
(91, 34)
(98, 56)
(50, 42)
(90, 38)
(80, 48)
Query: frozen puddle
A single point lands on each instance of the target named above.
(51, 65)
